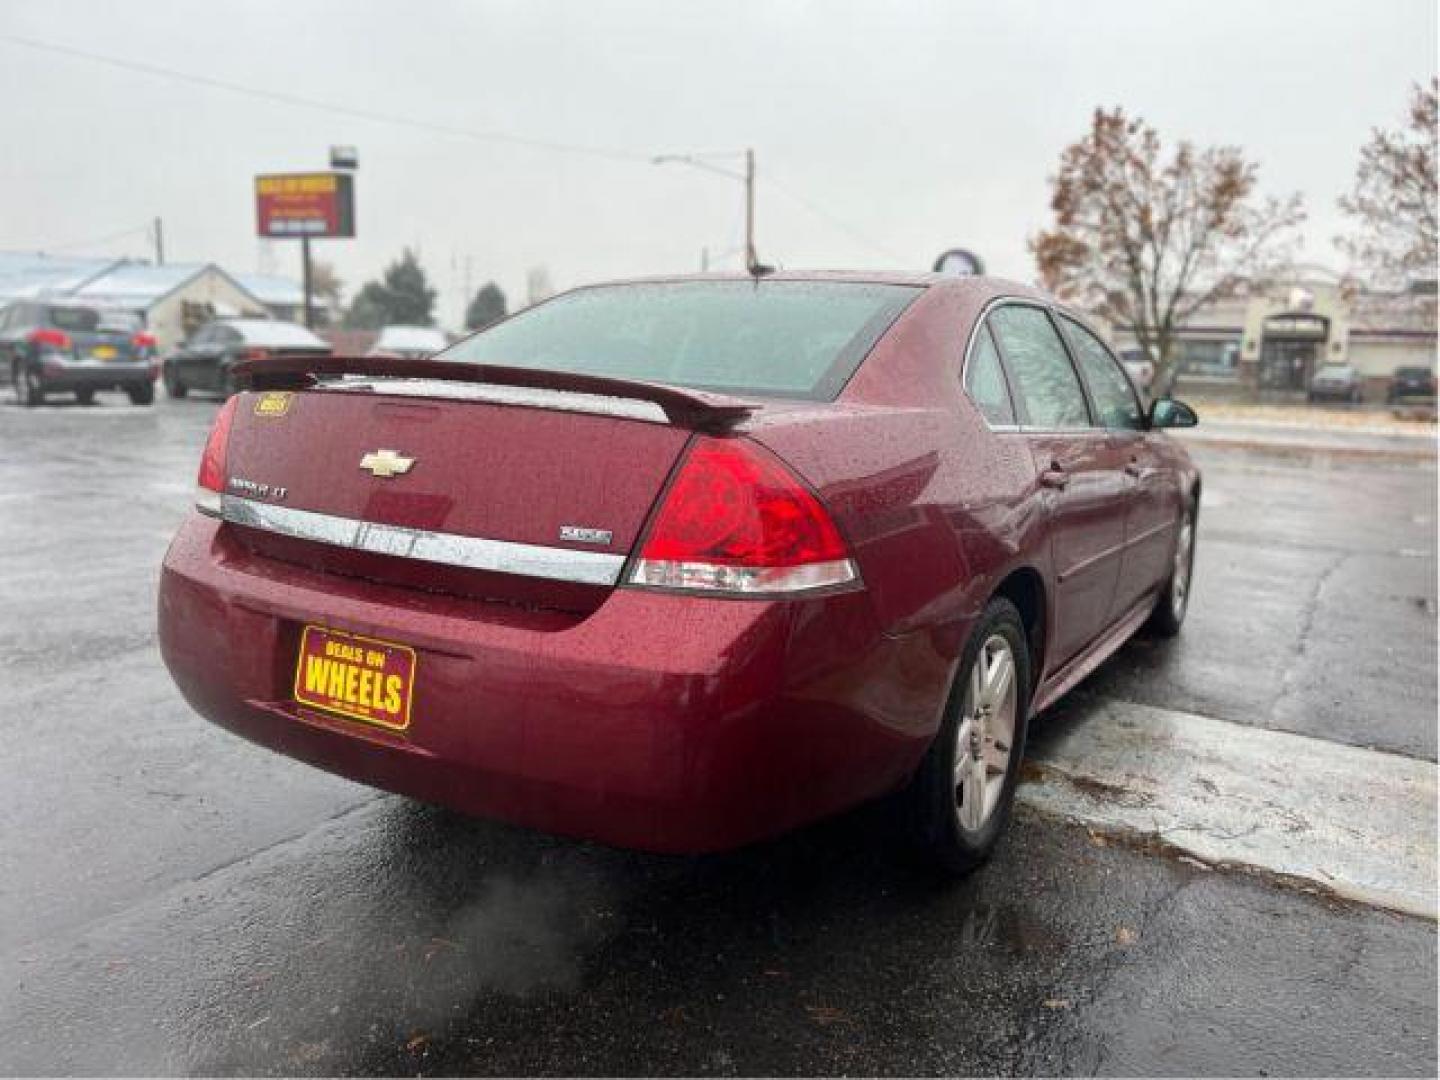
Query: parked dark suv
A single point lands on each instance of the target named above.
(51, 346)
(1336, 382)
(205, 361)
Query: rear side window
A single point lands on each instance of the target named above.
(1045, 381)
(985, 379)
(74, 318)
(1109, 387)
(773, 338)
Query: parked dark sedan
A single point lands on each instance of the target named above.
(1412, 384)
(207, 361)
(681, 564)
(61, 347)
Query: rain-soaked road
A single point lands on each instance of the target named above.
(175, 900)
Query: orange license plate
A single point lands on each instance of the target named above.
(358, 677)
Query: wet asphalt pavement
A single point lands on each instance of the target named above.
(175, 900)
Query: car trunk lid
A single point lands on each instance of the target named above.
(520, 494)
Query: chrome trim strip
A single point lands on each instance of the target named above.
(471, 552)
(524, 396)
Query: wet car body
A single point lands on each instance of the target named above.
(600, 702)
(53, 346)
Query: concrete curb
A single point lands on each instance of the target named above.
(1291, 448)
(1360, 824)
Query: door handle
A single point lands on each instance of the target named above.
(1055, 476)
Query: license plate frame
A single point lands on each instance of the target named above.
(327, 659)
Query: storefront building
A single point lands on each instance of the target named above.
(1270, 344)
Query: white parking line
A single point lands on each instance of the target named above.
(1362, 823)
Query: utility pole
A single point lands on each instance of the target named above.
(752, 260)
(159, 242)
(306, 282)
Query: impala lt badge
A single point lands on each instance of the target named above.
(581, 535)
(253, 489)
(386, 463)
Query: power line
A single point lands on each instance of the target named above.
(334, 108)
(837, 222)
(396, 120)
(99, 240)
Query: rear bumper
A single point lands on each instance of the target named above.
(59, 375)
(660, 722)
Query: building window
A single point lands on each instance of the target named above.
(1216, 359)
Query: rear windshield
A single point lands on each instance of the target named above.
(74, 318)
(799, 339)
(275, 334)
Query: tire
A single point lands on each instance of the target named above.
(85, 395)
(29, 390)
(955, 837)
(173, 386)
(141, 393)
(1174, 600)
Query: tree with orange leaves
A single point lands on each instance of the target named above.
(1144, 239)
(1394, 198)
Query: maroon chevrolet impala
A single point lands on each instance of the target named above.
(679, 564)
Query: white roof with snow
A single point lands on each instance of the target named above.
(26, 275)
(270, 289)
(139, 284)
(125, 283)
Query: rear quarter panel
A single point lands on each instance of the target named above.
(936, 507)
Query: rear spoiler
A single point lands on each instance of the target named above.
(695, 409)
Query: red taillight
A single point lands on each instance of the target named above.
(211, 480)
(737, 520)
(143, 340)
(49, 338)
(256, 354)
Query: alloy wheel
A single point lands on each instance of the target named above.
(1184, 560)
(27, 388)
(985, 737)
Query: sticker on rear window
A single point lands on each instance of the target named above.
(274, 403)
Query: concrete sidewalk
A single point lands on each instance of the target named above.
(1359, 823)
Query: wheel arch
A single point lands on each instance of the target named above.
(1025, 588)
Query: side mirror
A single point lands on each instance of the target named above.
(1168, 413)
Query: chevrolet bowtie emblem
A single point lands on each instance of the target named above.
(386, 463)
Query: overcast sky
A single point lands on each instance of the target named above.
(911, 126)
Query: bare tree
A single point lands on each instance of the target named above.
(1393, 200)
(326, 284)
(1144, 240)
